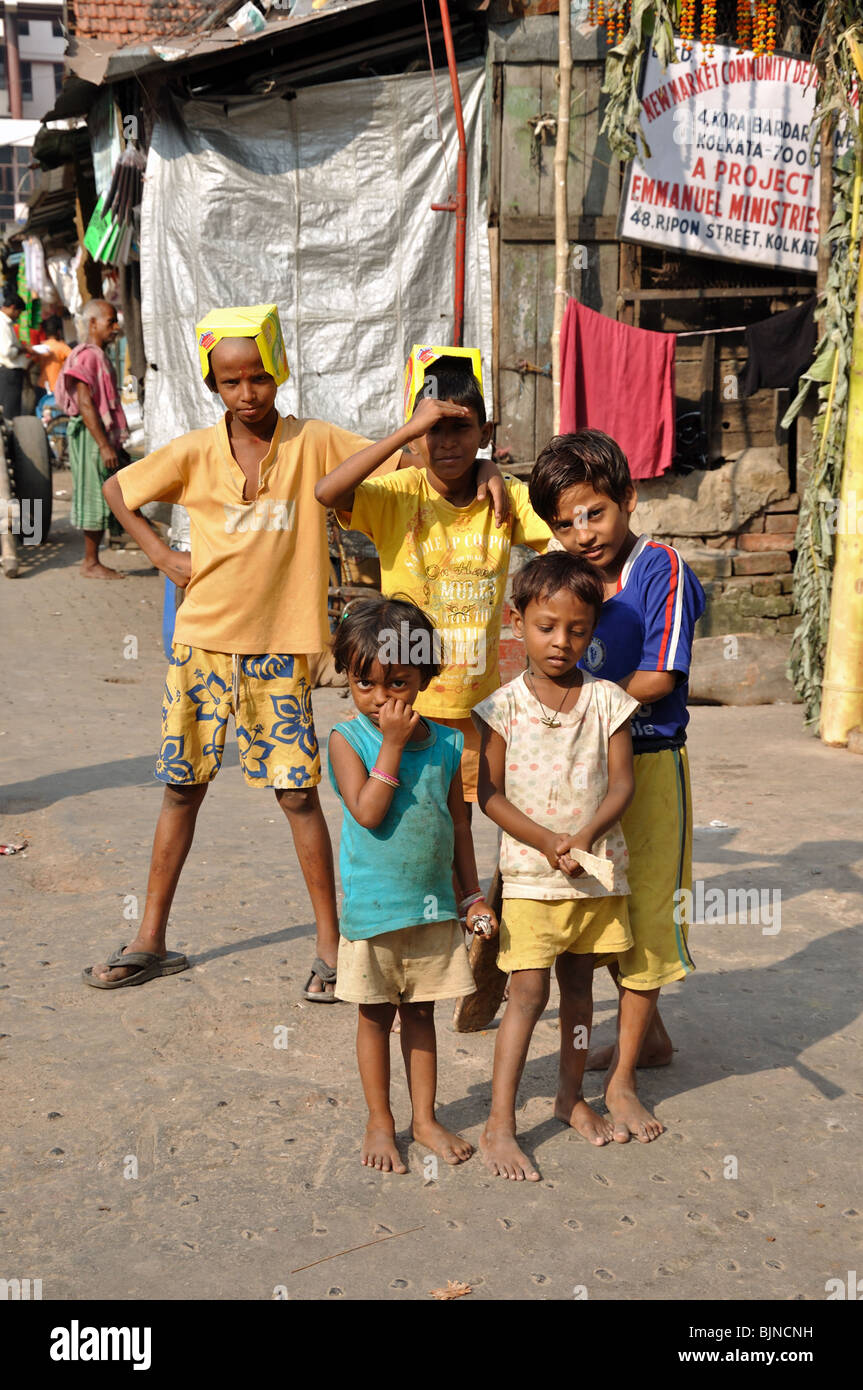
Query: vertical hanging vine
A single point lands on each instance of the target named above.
(651, 22)
(839, 65)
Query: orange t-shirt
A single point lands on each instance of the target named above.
(52, 365)
(260, 567)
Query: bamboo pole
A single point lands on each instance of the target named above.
(842, 690)
(561, 209)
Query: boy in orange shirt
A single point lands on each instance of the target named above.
(51, 361)
(256, 590)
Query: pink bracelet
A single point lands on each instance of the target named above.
(385, 777)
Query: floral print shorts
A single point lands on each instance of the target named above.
(271, 700)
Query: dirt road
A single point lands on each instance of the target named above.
(162, 1146)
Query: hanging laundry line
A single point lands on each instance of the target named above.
(703, 332)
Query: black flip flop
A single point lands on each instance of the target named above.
(327, 975)
(150, 967)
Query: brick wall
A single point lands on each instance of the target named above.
(747, 577)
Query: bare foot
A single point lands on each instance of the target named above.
(502, 1156)
(380, 1150)
(102, 972)
(630, 1118)
(99, 571)
(583, 1118)
(600, 1058)
(452, 1148)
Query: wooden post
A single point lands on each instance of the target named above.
(561, 209)
(494, 231)
(842, 687)
(629, 278)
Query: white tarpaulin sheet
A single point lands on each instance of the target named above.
(321, 205)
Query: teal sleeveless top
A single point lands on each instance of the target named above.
(400, 874)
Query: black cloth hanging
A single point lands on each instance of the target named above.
(129, 277)
(780, 349)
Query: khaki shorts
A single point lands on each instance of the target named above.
(413, 965)
(533, 933)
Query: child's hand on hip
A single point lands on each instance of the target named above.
(179, 568)
(397, 722)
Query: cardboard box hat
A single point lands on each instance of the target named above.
(420, 365)
(258, 321)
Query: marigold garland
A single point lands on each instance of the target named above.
(708, 29)
(759, 36)
(744, 23)
(770, 43)
(622, 20)
(687, 27)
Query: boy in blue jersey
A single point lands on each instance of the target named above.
(581, 486)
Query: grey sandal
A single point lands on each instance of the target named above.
(327, 976)
(150, 966)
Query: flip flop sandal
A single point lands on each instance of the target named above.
(327, 975)
(150, 966)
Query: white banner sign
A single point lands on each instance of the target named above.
(730, 172)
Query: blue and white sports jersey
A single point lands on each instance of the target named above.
(648, 626)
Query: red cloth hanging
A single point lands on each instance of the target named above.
(621, 380)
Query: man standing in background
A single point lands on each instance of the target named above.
(14, 356)
(86, 390)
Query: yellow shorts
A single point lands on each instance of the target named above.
(412, 965)
(657, 828)
(533, 933)
(270, 699)
(470, 754)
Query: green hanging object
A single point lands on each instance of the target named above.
(102, 234)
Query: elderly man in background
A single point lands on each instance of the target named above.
(14, 356)
(86, 390)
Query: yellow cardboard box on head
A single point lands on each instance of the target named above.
(258, 321)
(421, 362)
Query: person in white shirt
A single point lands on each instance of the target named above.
(14, 357)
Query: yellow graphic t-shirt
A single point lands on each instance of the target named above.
(453, 562)
(260, 565)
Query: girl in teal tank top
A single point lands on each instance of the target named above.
(404, 831)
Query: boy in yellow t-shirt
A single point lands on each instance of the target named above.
(439, 545)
